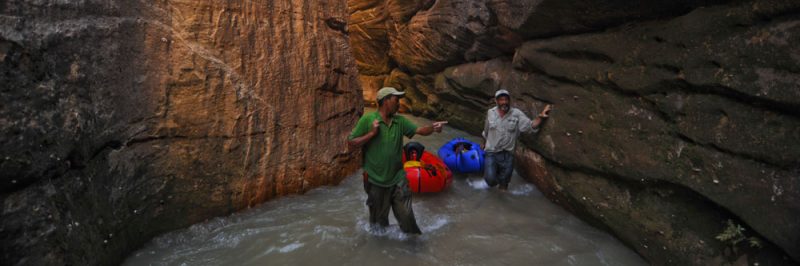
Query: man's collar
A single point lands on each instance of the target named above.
(496, 109)
(380, 117)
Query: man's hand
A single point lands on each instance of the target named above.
(375, 125)
(360, 141)
(540, 118)
(546, 112)
(437, 126)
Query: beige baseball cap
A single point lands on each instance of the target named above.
(386, 91)
(501, 93)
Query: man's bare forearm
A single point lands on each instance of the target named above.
(360, 141)
(537, 122)
(424, 131)
(427, 130)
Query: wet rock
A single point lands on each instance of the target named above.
(109, 106)
(689, 136)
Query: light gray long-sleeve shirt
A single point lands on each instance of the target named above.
(501, 132)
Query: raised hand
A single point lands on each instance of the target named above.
(546, 112)
(375, 125)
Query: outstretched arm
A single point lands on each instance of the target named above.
(427, 130)
(540, 118)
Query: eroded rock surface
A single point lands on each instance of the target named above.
(124, 119)
(670, 118)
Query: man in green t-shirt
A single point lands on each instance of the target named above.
(380, 135)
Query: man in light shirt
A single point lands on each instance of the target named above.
(500, 132)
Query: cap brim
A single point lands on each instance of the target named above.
(399, 93)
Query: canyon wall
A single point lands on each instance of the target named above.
(670, 118)
(121, 120)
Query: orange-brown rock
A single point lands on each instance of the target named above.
(369, 36)
(124, 119)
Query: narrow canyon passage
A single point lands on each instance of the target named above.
(467, 224)
(151, 132)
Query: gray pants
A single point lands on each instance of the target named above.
(498, 168)
(398, 198)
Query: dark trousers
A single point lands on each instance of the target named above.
(398, 198)
(498, 167)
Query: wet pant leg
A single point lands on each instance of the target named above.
(378, 201)
(505, 163)
(401, 206)
(490, 169)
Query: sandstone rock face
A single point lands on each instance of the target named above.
(124, 119)
(426, 36)
(670, 118)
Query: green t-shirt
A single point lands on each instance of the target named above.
(383, 153)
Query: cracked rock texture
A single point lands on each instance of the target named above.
(124, 119)
(670, 117)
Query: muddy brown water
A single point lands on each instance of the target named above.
(467, 224)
